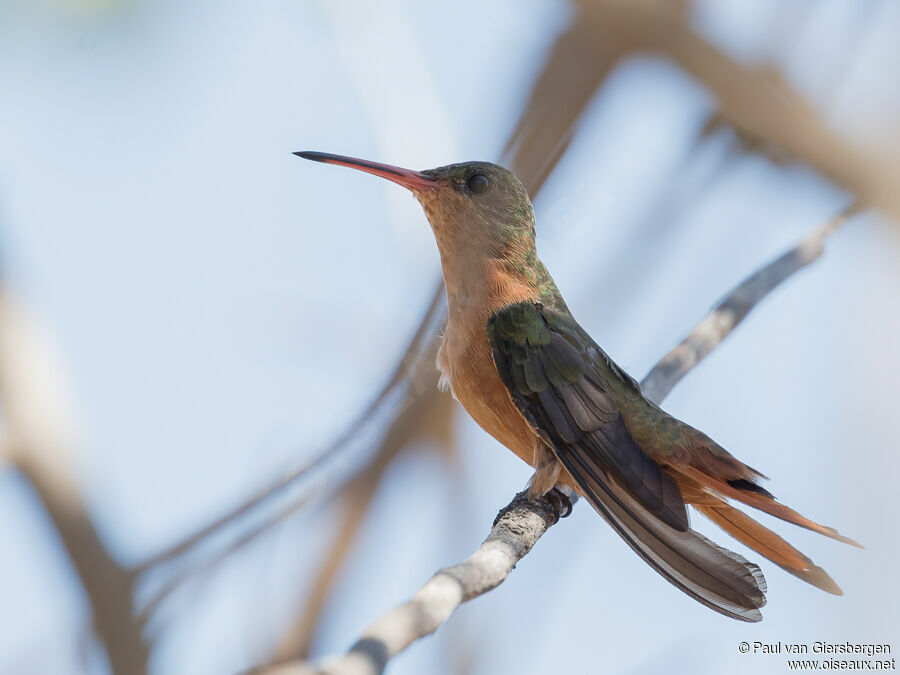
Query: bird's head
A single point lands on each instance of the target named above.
(475, 208)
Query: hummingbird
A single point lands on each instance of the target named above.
(519, 363)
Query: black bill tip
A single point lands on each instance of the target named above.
(412, 180)
(314, 156)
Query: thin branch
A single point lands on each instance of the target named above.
(524, 521)
(516, 529)
(725, 316)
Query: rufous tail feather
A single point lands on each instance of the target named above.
(762, 502)
(765, 542)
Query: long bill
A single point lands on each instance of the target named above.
(412, 180)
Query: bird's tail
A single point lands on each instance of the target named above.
(707, 494)
(755, 496)
(764, 541)
(712, 575)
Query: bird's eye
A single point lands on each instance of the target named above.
(478, 183)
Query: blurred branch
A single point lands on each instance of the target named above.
(756, 101)
(521, 523)
(574, 69)
(415, 366)
(423, 418)
(38, 442)
(356, 499)
(406, 425)
(409, 365)
(745, 142)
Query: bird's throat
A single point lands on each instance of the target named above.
(478, 287)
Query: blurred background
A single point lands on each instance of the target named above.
(222, 443)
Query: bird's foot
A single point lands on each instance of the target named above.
(559, 501)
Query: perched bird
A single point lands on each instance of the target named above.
(529, 375)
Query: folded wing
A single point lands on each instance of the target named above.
(550, 368)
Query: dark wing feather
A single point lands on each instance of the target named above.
(557, 387)
(561, 383)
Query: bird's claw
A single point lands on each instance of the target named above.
(560, 502)
(557, 500)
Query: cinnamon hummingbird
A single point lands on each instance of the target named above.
(515, 358)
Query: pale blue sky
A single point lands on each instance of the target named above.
(223, 307)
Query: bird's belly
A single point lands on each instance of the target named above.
(478, 387)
